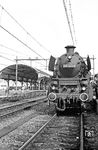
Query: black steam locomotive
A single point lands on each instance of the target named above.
(70, 86)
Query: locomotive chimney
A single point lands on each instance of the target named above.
(70, 49)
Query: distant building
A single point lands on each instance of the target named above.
(3, 84)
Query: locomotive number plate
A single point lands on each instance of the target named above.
(68, 66)
(68, 82)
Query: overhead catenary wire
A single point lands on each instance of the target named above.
(13, 50)
(25, 30)
(6, 58)
(69, 24)
(21, 41)
(72, 21)
(7, 54)
(29, 59)
(1, 14)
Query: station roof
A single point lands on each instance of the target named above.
(25, 73)
(43, 73)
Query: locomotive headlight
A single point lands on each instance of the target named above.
(53, 87)
(94, 97)
(52, 96)
(83, 88)
(83, 97)
(69, 57)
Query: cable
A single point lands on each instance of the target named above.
(7, 54)
(12, 49)
(15, 51)
(1, 14)
(31, 60)
(72, 21)
(6, 58)
(20, 41)
(24, 29)
(68, 21)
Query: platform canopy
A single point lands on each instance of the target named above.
(24, 73)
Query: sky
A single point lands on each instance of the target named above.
(46, 30)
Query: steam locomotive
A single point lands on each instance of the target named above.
(70, 86)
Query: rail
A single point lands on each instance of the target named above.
(35, 135)
(6, 110)
(81, 134)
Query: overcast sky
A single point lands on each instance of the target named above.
(46, 21)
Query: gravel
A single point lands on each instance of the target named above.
(15, 139)
(7, 120)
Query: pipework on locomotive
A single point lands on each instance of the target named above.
(70, 86)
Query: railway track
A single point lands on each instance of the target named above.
(7, 110)
(57, 133)
(35, 135)
(65, 133)
(79, 132)
(15, 134)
